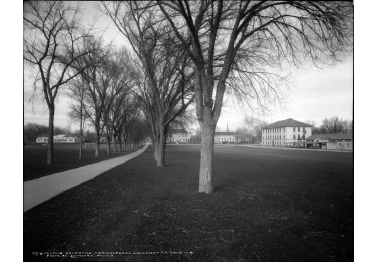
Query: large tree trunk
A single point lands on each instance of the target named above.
(50, 143)
(206, 161)
(156, 146)
(162, 147)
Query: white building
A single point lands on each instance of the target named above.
(42, 139)
(58, 139)
(342, 141)
(285, 133)
(242, 138)
(178, 135)
(224, 137)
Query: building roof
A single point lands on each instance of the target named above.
(287, 123)
(321, 136)
(339, 136)
(224, 133)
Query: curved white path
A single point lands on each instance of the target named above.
(41, 189)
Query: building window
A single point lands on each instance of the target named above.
(294, 134)
(294, 130)
(298, 129)
(299, 136)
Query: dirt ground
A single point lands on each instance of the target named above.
(268, 205)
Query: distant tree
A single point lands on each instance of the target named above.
(139, 131)
(34, 130)
(242, 130)
(315, 129)
(53, 41)
(163, 70)
(335, 125)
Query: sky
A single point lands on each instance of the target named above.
(314, 94)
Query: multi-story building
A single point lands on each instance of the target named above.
(285, 132)
(178, 135)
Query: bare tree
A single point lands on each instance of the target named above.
(33, 130)
(245, 40)
(53, 41)
(122, 114)
(315, 130)
(164, 74)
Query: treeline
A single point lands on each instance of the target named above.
(332, 125)
(34, 130)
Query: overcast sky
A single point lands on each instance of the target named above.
(315, 94)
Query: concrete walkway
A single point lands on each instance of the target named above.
(41, 189)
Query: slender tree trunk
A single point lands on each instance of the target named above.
(81, 134)
(114, 138)
(206, 161)
(108, 147)
(161, 157)
(125, 142)
(97, 146)
(50, 143)
(120, 144)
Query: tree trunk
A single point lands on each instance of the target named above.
(50, 143)
(162, 147)
(120, 144)
(206, 161)
(108, 147)
(114, 138)
(125, 142)
(97, 146)
(81, 134)
(155, 144)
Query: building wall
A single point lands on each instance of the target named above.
(239, 140)
(58, 139)
(282, 135)
(220, 139)
(42, 140)
(346, 145)
(179, 137)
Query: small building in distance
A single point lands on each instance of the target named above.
(224, 138)
(42, 139)
(341, 141)
(286, 133)
(58, 139)
(242, 138)
(178, 135)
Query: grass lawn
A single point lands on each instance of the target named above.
(268, 204)
(65, 158)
